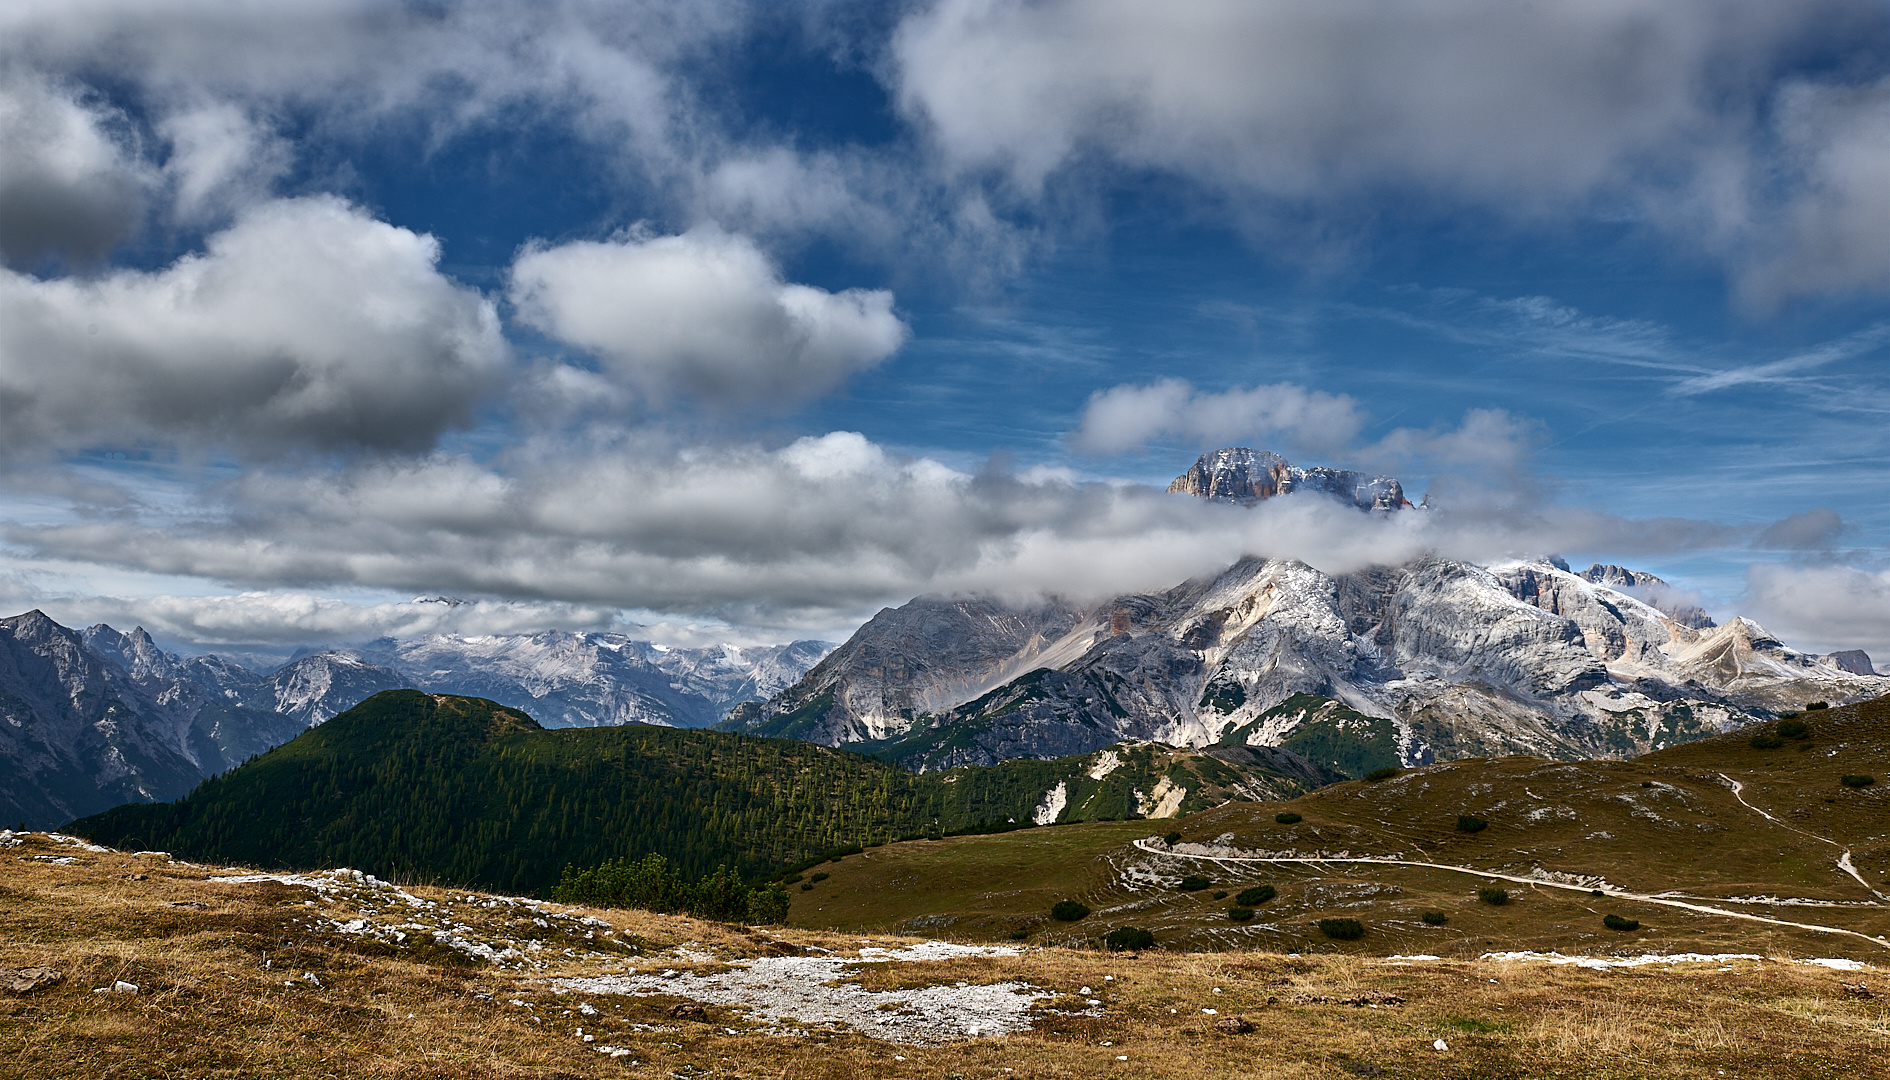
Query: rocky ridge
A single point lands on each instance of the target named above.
(1432, 660)
(1243, 475)
(93, 718)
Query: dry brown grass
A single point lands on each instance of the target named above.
(211, 960)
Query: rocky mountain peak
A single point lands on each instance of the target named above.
(1651, 590)
(1244, 475)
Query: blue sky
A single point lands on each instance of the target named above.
(737, 321)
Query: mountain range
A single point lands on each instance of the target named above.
(1432, 660)
(466, 791)
(1435, 659)
(93, 718)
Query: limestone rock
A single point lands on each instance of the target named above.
(1240, 474)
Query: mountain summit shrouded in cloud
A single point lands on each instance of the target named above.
(739, 321)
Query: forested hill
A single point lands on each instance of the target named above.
(464, 791)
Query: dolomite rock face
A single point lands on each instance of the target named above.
(1650, 589)
(918, 659)
(1457, 659)
(83, 729)
(1240, 474)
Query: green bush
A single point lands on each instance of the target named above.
(1193, 883)
(1255, 896)
(1817, 705)
(1490, 894)
(1466, 823)
(1794, 729)
(1435, 918)
(1287, 817)
(1857, 780)
(821, 876)
(791, 879)
(1220, 894)
(1128, 939)
(1616, 922)
(1172, 838)
(1068, 911)
(1385, 773)
(807, 886)
(1342, 929)
(652, 884)
(1240, 914)
(768, 905)
(1762, 741)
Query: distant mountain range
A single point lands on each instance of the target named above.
(1436, 659)
(462, 791)
(93, 718)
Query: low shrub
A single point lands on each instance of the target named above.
(1857, 780)
(1435, 918)
(1342, 929)
(1490, 894)
(1193, 883)
(1022, 933)
(1220, 894)
(790, 879)
(1763, 741)
(1385, 773)
(1467, 823)
(1068, 911)
(1255, 896)
(1128, 939)
(1287, 817)
(1616, 922)
(1794, 729)
(1240, 914)
(1172, 839)
(807, 886)
(821, 876)
(1817, 705)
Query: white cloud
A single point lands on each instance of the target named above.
(305, 324)
(1294, 98)
(815, 534)
(221, 160)
(1823, 608)
(1835, 233)
(1124, 418)
(1668, 112)
(71, 185)
(705, 314)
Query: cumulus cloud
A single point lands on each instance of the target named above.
(1124, 418)
(1835, 233)
(71, 184)
(1823, 608)
(221, 160)
(305, 324)
(817, 533)
(705, 314)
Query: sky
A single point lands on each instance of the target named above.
(724, 321)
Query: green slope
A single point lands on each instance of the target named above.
(465, 791)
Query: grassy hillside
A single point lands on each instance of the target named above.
(1665, 829)
(466, 791)
(339, 976)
